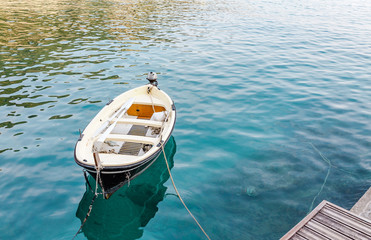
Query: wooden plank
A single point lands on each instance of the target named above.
(341, 227)
(109, 159)
(348, 219)
(298, 237)
(132, 138)
(310, 234)
(136, 121)
(326, 231)
(143, 111)
(298, 226)
(116, 157)
(349, 214)
(328, 221)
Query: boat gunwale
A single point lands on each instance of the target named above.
(131, 166)
(127, 167)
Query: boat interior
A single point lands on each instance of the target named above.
(132, 130)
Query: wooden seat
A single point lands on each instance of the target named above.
(132, 138)
(137, 121)
(108, 159)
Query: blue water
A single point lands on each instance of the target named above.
(273, 101)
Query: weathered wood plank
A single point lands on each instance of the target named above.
(349, 214)
(328, 221)
(326, 231)
(310, 234)
(298, 237)
(341, 227)
(298, 226)
(351, 221)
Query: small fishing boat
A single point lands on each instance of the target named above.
(134, 205)
(126, 136)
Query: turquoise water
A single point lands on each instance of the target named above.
(273, 101)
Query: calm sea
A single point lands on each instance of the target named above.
(273, 101)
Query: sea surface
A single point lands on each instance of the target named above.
(273, 113)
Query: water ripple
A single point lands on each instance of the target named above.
(256, 85)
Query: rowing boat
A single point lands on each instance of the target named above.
(132, 207)
(126, 136)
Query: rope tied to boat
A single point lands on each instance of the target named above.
(168, 168)
(177, 192)
(87, 181)
(128, 178)
(87, 215)
(91, 203)
(98, 178)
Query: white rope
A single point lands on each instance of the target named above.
(96, 181)
(90, 206)
(177, 192)
(324, 182)
(97, 178)
(168, 168)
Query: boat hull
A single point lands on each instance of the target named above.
(117, 124)
(143, 195)
(114, 179)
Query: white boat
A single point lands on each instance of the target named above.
(126, 136)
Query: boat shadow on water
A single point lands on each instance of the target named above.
(128, 211)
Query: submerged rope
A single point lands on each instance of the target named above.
(87, 181)
(92, 201)
(167, 165)
(324, 182)
(176, 190)
(87, 215)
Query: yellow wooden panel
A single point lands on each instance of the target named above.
(143, 111)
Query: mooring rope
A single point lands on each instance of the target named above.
(87, 181)
(97, 178)
(87, 215)
(177, 192)
(324, 182)
(167, 165)
(171, 177)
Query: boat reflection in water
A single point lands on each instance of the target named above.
(124, 215)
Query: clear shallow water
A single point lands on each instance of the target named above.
(262, 89)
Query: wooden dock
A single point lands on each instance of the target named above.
(328, 221)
